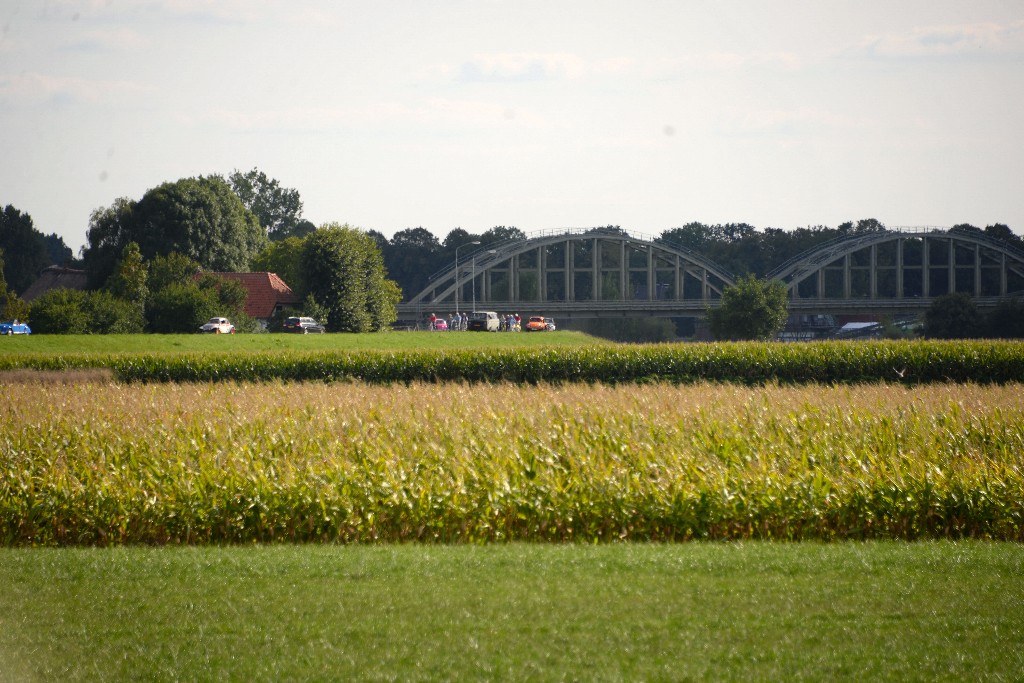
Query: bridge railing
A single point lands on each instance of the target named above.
(580, 232)
(922, 230)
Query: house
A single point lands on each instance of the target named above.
(268, 294)
(55, 277)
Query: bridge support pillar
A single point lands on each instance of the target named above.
(951, 267)
(847, 277)
(899, 268)
(926, 265)
(977, 270)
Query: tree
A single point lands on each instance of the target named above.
(863, 226)
(278, 209)
(24, 246)
(108, 234)
(11, 307)
(129, 279)
(751, 309)
(108, 314)
(953, 316)
(1006, 320)
(172, 268)
(284, 257)
(499, 234)
(1002, 232)
(201, 218)
(413, 255)
(345, 274)
(181, 307)
(57, 251)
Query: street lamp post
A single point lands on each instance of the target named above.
(489, 251)
(457, 273)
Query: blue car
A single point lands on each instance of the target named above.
(14, 327)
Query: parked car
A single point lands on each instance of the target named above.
(218, 326)
(536, 324)
(483, 321)
(441, 325)
(303, 325)
(14, 327)
(549, 324)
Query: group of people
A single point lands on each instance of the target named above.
(455, 322)
(510, 323)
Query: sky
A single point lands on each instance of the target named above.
(538, 114)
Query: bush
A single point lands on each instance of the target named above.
(953, 316)
(181, 308)
(751, 309)
(60, 311)
(1006, 320)
(110, 315)
(66, 311)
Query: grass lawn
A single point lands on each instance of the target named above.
(744, 611)
(117, 343)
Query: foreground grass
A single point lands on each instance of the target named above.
(109, 464)
(210, 343)
(748, 611)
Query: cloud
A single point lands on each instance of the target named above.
(430, 111)
(521, 67)
(980, 40)
(35, 87)
(783, 122)
(109, 40)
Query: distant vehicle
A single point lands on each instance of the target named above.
(549, 324)
(441, 325)
(218, 326)
(303, 325)
(536, 324)
(483, 321)
(14, 327)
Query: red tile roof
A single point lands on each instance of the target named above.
(266, 292)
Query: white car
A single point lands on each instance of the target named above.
(218, 326)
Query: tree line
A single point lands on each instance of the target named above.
(350, 278)
(151, 262)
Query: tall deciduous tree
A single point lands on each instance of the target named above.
(129, 279)
(751, 309)
(278, 209)
(201, 218)
(172, 268)
(284, 257)
(413, 255)
(11, 307)
(24, 246)
(345, 274)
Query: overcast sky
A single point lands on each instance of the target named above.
(537, 114)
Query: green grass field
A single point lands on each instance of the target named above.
(744, 611)
(157, 343)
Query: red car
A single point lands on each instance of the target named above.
(536, 323)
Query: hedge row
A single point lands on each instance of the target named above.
(912, 362)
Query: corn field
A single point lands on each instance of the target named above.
(98, 462)
(905, 362)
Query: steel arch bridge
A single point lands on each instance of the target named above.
(602, 272)
(901, 271)
(576, 273)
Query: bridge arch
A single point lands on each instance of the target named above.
(904, 264)
(575, 271)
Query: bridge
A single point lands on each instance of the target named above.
(606, 272)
